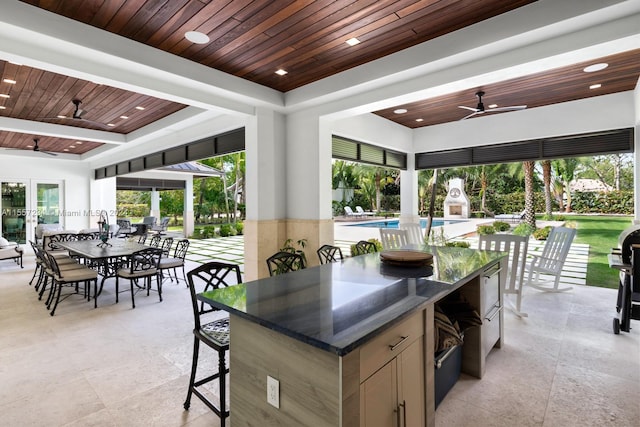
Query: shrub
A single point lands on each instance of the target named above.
(458, 244)
(354, 251)
(542, 233)
(208, 232)
(239, 228)
(227, 230)
(485, 229)
(523, 229)
(501, 226)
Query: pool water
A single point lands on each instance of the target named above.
(393, 223)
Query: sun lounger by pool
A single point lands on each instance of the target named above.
(514, 217)
(360, 211)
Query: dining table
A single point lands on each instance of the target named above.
(106, 257)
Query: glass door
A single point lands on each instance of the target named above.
(25, 204)
(14, 211)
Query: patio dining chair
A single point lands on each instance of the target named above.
(69, 278)
(143, 265)
(517, 247)
(177, 260)
(364, 247)
(547, 267)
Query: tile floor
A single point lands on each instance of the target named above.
(114, 366)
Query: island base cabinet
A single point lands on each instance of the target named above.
(394, 395)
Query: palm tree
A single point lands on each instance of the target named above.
(566, 169)
(529, 210)
(546, 177)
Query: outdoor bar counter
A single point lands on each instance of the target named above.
(351, 343)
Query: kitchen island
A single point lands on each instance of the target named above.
(351, 343)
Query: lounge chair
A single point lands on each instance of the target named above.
(349, 212)
(362, 212)
(513, 217)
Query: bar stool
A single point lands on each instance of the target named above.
(215, 334)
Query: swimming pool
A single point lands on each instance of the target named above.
(393, 223)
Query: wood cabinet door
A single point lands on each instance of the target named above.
(411, 385)
(379, 398)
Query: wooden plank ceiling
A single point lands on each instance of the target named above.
(253, 38)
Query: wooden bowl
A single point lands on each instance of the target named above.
(404, 258)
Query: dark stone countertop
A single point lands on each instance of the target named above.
(338, 307)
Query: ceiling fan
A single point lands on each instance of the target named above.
(78, 115)
(481, 110)
(35, 148)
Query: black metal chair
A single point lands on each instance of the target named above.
(215, 334)
(69, 278)
(166, 246)
(329, 253)
(172, 263)
(284, 262)
(142, 265)
(155, 241)
(365, 247)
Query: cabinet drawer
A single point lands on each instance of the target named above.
(491, 289)
(381, 349)
(490, 329)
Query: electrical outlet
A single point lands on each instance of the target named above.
(273, 392)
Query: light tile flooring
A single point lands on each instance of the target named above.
(114, 366)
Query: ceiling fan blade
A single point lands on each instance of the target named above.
(472, 114)
(468, 108)
(512, 108)
(47, 152)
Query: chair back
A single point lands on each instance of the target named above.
(284, 262)
(415, 235)
(393, 238)
(49, 241)
(364, 247)
(348, 211)
(145, 260)
(142, 238)
(207, 277)
(166, 246)
(517, 247)
(556, 248)
(329, 253)
(87, 236)
(155, 241)
(149, 221)
(181, 249)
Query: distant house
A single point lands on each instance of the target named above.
(589, 185)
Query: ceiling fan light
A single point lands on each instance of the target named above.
(196, 37)
(595, 67)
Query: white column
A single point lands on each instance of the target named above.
(187, 215)
(409, 192)
(155, 204)
(636, 157)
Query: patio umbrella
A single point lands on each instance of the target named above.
(431, 203)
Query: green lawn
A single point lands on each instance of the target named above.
(601, 234)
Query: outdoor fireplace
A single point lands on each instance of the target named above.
(456, 204)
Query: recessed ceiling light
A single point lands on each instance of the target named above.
(419, 120)
(595, 67)
(78, 142)
(139, 108)
(72, 146)
(353, 41)
(124, 117)
(2, 107)
(493, 105)
(196, 37)
(400, 111)
(110, 124)
(10, 81)
(66, 149)
(61, 117)
(281, 72)
(4, 95)
(29, 146)
(595, 86)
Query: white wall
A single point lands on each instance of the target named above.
(375, 130)
(76, 177)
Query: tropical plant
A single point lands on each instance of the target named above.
(542, 233)
(523, 229)
(529, 196)
(289, 247)
(546, 178)
(485, 229)
(501, 226)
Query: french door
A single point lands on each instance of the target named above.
(27, 203)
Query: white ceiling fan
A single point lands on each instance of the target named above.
(481, 110)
